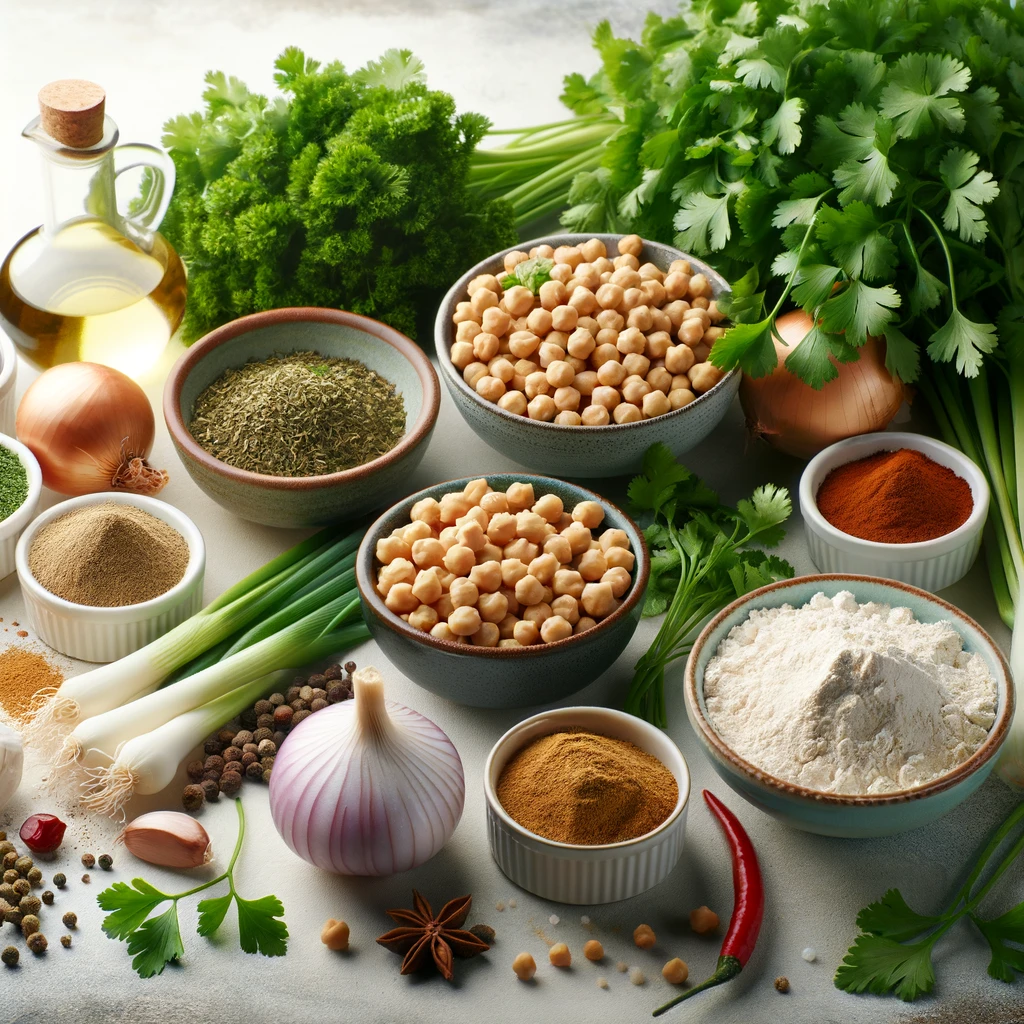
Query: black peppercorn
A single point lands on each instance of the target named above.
(306, 693)
(211, 789)
(263, 707)
(291, 694)
(266, 748)
(249, 757)
(262, 734)
(70, 919)
(264, 722)
(10, 859)
(48, 897)
(300, 716)
(241, 738)
(22, 887)
(266, 775)
(336, 693)
(194, 770)
(254, 771)
(230, 783)
(267, 762)
(318, 694)
(30, 904)
(299, 705)
(34, 876)
(212, 746)
(332, 672)
(10, 956)
(233, 766)
(37, 943)
(210, 777)
(283, 716)
(318, 705)
(192, 797)
(231, 753)
(279, 738)
(317, 680)
(248, 718)
(350, 667)
(65, 941)
(59, 880)
(86, 878)
(250, 748)
(106, 861)
(277, 699)
(214, 763)
(225, 736)
(88, 860)
(23, 865)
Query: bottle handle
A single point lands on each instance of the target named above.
(146, 211)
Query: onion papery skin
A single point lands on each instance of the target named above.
(800, 420)
(373, 805)
(91, 428)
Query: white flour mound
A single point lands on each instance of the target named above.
(847, 698)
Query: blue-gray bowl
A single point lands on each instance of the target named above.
(838, 815)
(501, 677)
(612, 450)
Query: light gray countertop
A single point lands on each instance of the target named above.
(506, 60)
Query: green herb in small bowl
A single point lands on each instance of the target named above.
(20, 484)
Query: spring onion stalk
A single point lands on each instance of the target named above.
(263, 592)
(97, 739)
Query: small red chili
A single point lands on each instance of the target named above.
(43, 833)
(748, 904)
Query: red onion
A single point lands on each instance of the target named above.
(367, 787)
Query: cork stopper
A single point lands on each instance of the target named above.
(71, 111)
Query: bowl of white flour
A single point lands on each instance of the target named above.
(849, 705)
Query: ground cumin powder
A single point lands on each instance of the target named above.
(579, 787)
(23, 673)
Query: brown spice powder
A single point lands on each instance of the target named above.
(23, 673)
(579, 787)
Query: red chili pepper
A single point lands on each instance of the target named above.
(748, 904)
(42, 833)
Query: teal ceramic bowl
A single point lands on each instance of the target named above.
(825, 813)
(311, 500)
(501, 677)
(612, 450)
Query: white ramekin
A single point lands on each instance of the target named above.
(11, 527)
(8, 379)
(591, 875)
(106, 634)
(929, 564)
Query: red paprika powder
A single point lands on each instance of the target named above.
(898, 497)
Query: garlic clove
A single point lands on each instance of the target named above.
(169, 839)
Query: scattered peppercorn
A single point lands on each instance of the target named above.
(34, 876)
(211, 790)
(11, 876)
(300, 716)
(255, 771)
(10, 859)
(637, 976)
(231, 753)
(12, 915)
(3, 836)
(225, 736)
(37, 943)
(214, 763)
(192, 797)
(70, 919)
(266, 748)
(10, 956)
(194, 770)
(242, 737)
(88, 860)
(782, 983)
(23, 865)
(6, 847)
(29, 925)
(106, 861)
(266, 775)
(86, 878)
(30, 904)
(65, 941)
(58, 880)
(484, 932)
(22, 887)
(212, 746)
(277, 699)
(48, 898)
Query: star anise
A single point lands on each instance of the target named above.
(422, 935)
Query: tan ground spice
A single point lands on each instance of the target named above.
(23, 673)
(579, 787)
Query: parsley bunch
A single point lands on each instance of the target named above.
(350, 192)
(701, 559)
(153, 942)
(894, 952)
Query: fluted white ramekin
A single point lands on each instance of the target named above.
(106, 634)
(929, 564)
(565, 873)
(8, 379)
(11, 527)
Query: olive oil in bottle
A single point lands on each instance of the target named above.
(91, 283)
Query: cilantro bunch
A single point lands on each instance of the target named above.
(349, 191)
(155, 941)
(893, 953)
(701, 559)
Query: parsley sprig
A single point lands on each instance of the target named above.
(701, 558)
(153, 942)
(893, 953)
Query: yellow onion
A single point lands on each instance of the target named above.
(800, 420)
(91, 428)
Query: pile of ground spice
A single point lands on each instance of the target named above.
(108, 555)
(23, 673)
(898, 497)
(586, 789)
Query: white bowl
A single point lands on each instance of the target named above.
(107, 634)
(928, 564)
(11, 527)
(566, 873)
(8, 378)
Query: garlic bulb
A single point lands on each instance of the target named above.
(367, 787)
(11, 760)
(168, 838)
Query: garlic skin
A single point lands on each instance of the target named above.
(12, 760)
(368, 786)
(169, 839)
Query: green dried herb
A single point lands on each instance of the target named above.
(300, 414)
(13, 483)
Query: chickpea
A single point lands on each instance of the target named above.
(502, 369)
(552, 294)
(626, 278)
(463, 354)
(700, 286)
(549, 507)
(701, 353)
(559, 374)
(620, 556)
(631, 340)
(414, 531)
(703, 921)
(543, 568)
(609, 319)
(630, 298)
(495, 321)
(583, 301)
(513, 259)
(538, 321)
(611, 374)
(605, 353)
(634, 389)
(466, 331)
(680, 397)
(555, 628)
(502, 528)
(529, 590)
(630, 245)
(464, 593)
(510, 595)
(549, 353)
(675, 972)
(656, 404)
(390, 548)
(423, 618)
(506, 628)
(585, 382)
(636, 365)
(493, 502)
(593, 249)
(444, 607)
(679, 359)
(490, 388)
(654, 294)
(493, 607)
(558, 546)
(595, 416)
(661, 321)
(698, 314)
(628, 413)
(613, 538)
(427, 587)
(486, 576)
(442, 632)
(464, 620)
(513, 402)
(483, 298)
(486, 636)
(449, 537)
(618, 579)
(459, 559)
(489, 553)
(578, 536)
(639, 317)
(626, 260)
(660, 379)
(427, 552)
(471, 535)
(658, 344)
(537, 613)
(564, 318)
(537, 384)
(530, 526)
(704, 376)
(520, 497)
(518, 300)
(400, 598)
(483, 281)
(426, 510)
(464, 311)
(526, 632)
(567, 582)
(566, 607)
(472, 373)
(581, 343)
(568, 254)
(512, 571)
(609, 397)
(522, 344)
(566, 400)
(578, 366)
(592, 565)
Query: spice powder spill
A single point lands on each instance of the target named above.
(300, 414)
(23, 674)
(13, 483)
(579, 787)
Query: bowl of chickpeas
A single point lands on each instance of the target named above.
(574, 353)
(505, 591)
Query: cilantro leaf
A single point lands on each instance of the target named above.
(851, 136)
(292, 65)
(396, 70)
(902, 356)
(530, 273)
(634, 200)
(212, 913)
(1006, 961)
(768, 508)
(858, 310)
(892, 918)
(130, 906)
(927, 291)
(916, 94)
(969, 190)
(814, 283)
(853, 237)
(811, 359)
(155, 943)
(224, 91)
(881, 965)
(783, 127)
(259, 927)
(581, 96)
(963, 340)
(749, 346)
(702, 223)
(869, 179)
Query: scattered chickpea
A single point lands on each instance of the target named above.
(524, 966)
(559, 955)
(703, 921)
(782, 984)
(593, 951)
(335, 934)
(675, 972)
(643, 936)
